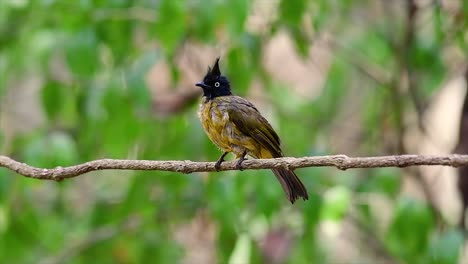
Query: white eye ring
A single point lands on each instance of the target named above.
(216, 84)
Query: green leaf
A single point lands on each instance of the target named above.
(440, 20)
(82, 53)
(385, 180)
(237, 11)
(52, 99)
(336, 85)
(116, 35)
(422, 53)
(265, 190)
(22, 232)
(301, 41)
(376, 48)
(426, 62)
(335, 203)
(240, 69)
(227, 238)
(313, 210)
(220, 196)
(57, 149)
(170, 24)
(136, 82)
(120, 129)
(137, 196)
(321, 14)
(409, 231)
(291, 11)
(204, 19)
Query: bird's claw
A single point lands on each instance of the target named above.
(219, 161)
(239, 163)
(218, 164)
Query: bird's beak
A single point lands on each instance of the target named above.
(201, 84)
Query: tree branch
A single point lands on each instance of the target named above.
(341, 162)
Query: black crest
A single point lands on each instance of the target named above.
(216, 71)
(214, 84)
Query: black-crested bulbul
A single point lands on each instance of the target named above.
(235, 125)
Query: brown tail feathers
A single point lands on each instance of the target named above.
(291, 184)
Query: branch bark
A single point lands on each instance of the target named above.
(341, 162)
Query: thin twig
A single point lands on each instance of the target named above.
(341, 162)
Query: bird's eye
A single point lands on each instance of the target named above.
(216, 84)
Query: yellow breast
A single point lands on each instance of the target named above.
(214, 121)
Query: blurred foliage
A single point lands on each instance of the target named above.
(98, 104)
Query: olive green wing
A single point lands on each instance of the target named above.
(250, 122)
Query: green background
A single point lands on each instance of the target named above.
(92, 63)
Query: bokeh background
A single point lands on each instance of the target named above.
(83, 80)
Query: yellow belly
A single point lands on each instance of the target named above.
(215, 122)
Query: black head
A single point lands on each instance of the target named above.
(214, 84)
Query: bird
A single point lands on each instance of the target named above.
(235, 126)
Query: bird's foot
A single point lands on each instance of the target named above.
(239, 162)
(219, 161)
(218, 164)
